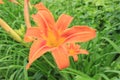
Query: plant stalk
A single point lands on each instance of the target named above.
(10, 31)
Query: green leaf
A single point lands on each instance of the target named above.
(80, 78)
(113, 44)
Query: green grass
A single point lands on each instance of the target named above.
(103, 62)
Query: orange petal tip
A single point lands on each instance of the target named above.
(27, 66)
(39, 6)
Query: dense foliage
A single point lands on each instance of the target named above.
(103, 61)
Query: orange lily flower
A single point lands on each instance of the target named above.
(53, 36)
(14, 1)
(1, 2)
(74, 50)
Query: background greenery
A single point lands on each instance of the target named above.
(103, 62)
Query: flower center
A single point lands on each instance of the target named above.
(54, 40)
(71, 52)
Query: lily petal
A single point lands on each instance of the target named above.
(32, 33)
(63, 22)
(75, 57)
(40, 6)
(40, 23)
(45, 15)
(37, 49)
(79, 34)
(61, 57)
(1, 2)
(83, 51)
